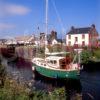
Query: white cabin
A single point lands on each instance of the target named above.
(54, 61)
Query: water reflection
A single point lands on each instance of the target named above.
(90, 82)
(72, 87)
(75, 84)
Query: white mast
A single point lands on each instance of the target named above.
(46, 25)
(46, 16)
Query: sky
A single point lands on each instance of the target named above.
(27, 17)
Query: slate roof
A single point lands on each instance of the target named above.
(60, 40)
(79, 30)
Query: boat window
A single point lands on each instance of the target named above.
(44, 64)
(63, 66)
(63, 62)
(51, 61)
(55, 61)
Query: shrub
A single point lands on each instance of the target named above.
(97, 53)
(85, 56)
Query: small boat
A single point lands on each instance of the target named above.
(56, 66)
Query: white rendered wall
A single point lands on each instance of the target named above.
(79, 36)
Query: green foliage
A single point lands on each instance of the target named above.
(90, 55)
(2, 75)
(12, 91)
(2, 71)
(15, 91)
(57, 48)
(58, 94)
(97, 53)
(85, 56)
(40, 52)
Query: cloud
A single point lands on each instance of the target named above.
(13, 9)
(4, 26)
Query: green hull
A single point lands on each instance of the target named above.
(57, 73)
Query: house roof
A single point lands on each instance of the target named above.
(60, 40)
(23, 38)
(79, 30)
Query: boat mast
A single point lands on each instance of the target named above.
(46, 17)
(46, 25)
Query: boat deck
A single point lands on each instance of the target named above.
(41, 62)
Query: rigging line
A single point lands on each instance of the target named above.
(59, 19)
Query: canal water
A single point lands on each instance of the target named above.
(88, 85)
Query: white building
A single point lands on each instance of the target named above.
(87, 36)
(11, 41)
(56, 41)
(25, 39)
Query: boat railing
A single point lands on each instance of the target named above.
(74, 59)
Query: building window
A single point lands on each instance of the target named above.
(83, 43)
(69, 43)
(83, 36)
(76, 39)
(69, 36)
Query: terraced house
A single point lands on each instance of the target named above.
(81, 37)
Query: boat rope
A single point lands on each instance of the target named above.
(60, 21)
(74, 59)
(59, 18)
